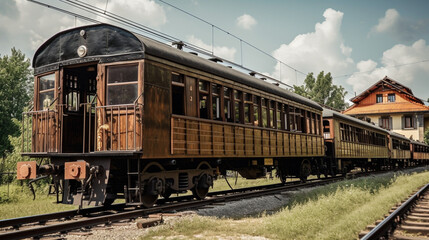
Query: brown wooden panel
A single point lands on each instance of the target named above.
(292, 144)
(191, 97)
(265, 142)
(273, 143)
(257, 134)
(205, 131)
(286, 144)
(192, 137)
(249, 148)
(239, 141)
(298, 145)
(229, 140)
(179, 136)
(280, 143)
(218, 140)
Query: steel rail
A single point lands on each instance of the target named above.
(383, 229)
(68, 226)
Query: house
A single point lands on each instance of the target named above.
(392, 106)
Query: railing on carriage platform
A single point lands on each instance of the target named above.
(119, 127)
(39, 130)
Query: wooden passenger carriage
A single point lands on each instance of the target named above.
(353, 142)
(420, 152)
(400, 150)
(115, 110)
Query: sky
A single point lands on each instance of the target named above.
(358, 42)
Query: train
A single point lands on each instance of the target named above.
(119, 115)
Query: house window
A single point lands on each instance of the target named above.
(391, 97)
(408, 122)
(122, 84)
(386, 122)
(379, 98)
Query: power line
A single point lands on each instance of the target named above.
(139, 27)
(236, 37)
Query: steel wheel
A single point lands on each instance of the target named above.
(199, 193)
(304, 171)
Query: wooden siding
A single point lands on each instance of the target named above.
(347, 149)
(401, 154)
(200, 137)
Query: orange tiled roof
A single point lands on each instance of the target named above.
(395, 107)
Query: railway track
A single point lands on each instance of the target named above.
(407, 221)
(63, 222)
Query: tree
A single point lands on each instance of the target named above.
(15, 78)
(426, 136)
(323, 91)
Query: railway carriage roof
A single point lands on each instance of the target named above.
(328, 113)
(419, 143)
(397, 135)
(110, 43)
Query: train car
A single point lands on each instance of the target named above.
(351, 143)
(419, 152)
(400, 150)
(118, 113)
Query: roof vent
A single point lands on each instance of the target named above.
(229, 66)
(194, 53)
(263, 79)
(252, 73)
(277, 84)
(215, 59)
(179, 44)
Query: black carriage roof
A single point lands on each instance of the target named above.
(419, 143)
(108, 43)
(397, 135)
(328, 113)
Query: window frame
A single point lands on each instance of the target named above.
(136, 82)
(377, 96)
(54, 90)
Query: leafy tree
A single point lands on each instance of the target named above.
(15, 78)
(323, 91)
(426, 136)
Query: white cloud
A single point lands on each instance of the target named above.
(246, 21)
(221, 51)
(402, 63)
(26, 25)
(145, 12)
(403, 29)
(321, 50)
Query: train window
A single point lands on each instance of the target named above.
(292, 125)
(122, 87)
(256, 101)
(264, 109)
(216, 89)
(272, 104)
(178, 93)
(278, 116)
(247, 108)
(298, 120)
(204, 98)
(318, 124)
(238, 106)
(227, 104)
(286, 117)
(326, 129)
(46, 91)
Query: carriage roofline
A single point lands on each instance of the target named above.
(108, 43)
(328, 113)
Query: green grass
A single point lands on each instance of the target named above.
(336, 211)
(19, 202)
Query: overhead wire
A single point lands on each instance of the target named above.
(140, 27)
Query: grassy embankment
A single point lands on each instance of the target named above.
(336, 211)
(19, 202)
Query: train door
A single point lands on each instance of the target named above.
(79, 90)
(191, 97)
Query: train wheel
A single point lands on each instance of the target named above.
(282, 175)
(304, 170)
(202, 186)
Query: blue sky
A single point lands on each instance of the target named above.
(363, 40)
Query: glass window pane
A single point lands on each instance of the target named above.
(121, 94)
(46, 99)
(120, 74)
(47, 82)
